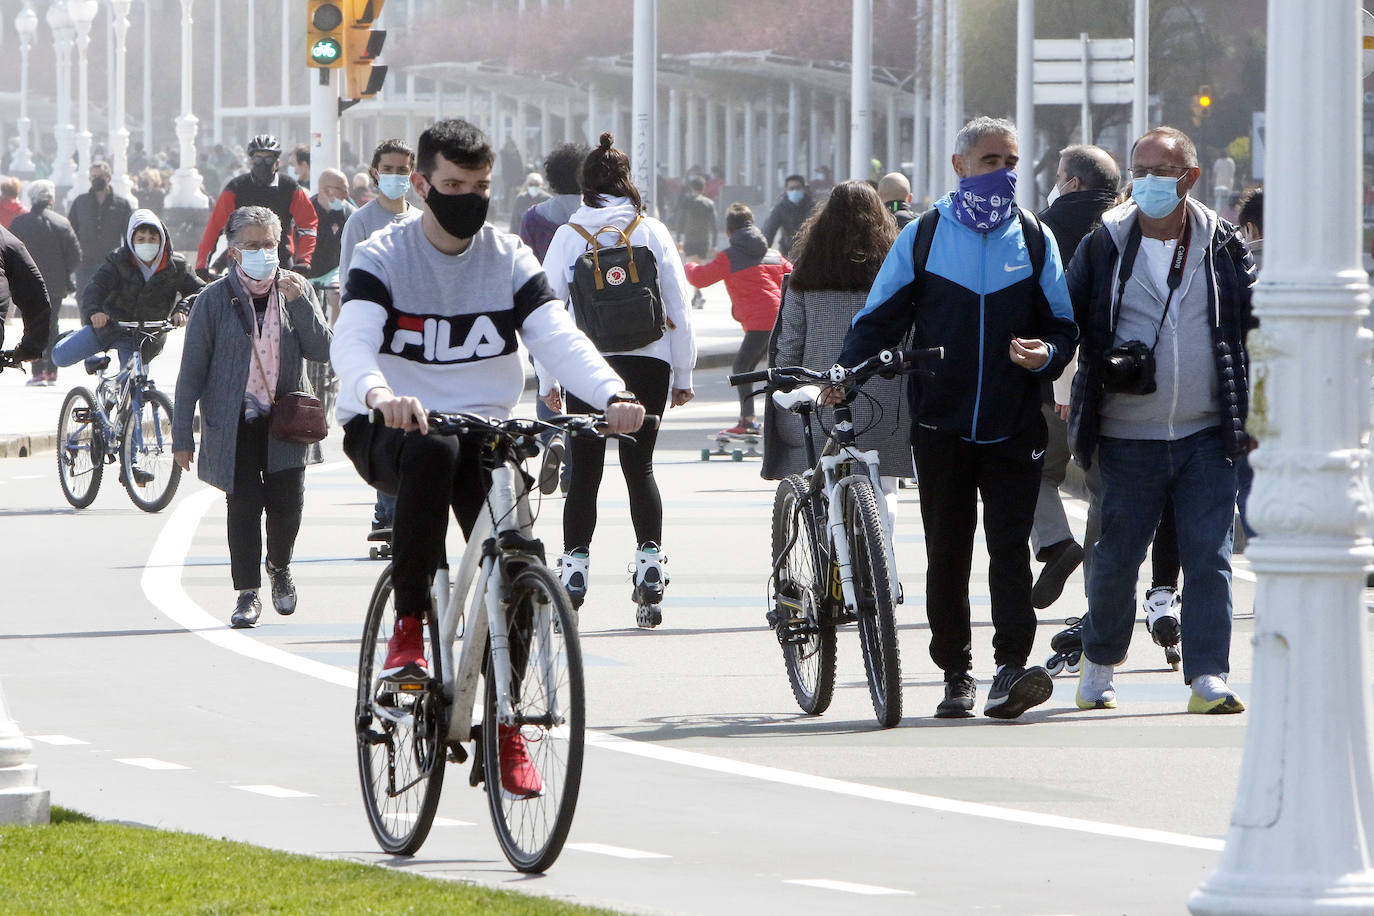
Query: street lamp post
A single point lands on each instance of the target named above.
(119, 137)
(83, 13)
(187, 185)
(1301, 839)
(861, 93)
(26, 24)
(60, 23)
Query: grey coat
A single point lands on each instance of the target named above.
(810, 332)
(215, 361)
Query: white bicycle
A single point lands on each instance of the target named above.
(517, 627)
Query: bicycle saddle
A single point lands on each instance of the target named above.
(797, 399)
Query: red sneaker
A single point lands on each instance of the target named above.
(743, 428)
(519, 777)
(405, 656)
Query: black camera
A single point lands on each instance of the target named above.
(1129, 369)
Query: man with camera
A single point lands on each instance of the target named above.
(1161, 293)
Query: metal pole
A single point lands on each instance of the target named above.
(770, 148)
(693, 139)
(324, 120)
(26, 24)
(1085, 122)
(793, 126)
(249, 126)
(1301, 836)
(81, 182)
(217, 119)
(750, 127)
(861, 92)
(1140, 106)
(813, 134)
(712, 156)
(940, 149)
(119, 135)
(894, 156)
(644, 102)
(187, 183)
(954, 84)
(1027, 193)
(731, 175)
(920, 107)
(837, 169)
(148, 77)
(674, 134)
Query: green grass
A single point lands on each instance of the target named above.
(77, 865)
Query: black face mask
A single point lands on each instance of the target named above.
(460, 215)
(263, 171)
(99, 183)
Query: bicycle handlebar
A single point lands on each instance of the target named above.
(454, 424)
(887, 361)
(147, 327)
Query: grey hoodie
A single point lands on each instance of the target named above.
(1187, 400)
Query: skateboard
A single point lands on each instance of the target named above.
(380, 538)
(727, 444)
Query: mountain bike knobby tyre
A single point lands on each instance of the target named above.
(806, 633)
(547, 698)
(401, 735)
(149, 472)
(80, 448)
(873, 591)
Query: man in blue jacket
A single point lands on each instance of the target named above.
(985, 281)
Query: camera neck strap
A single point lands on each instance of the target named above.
(1175, 278)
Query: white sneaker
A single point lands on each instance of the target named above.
(573, 571)
(1095, 689)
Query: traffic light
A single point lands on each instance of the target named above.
(324, 33)
(363, 77)
(1202, 104)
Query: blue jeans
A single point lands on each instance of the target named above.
(84, 344)
(1138, 477)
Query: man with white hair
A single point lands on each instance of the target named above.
(52, 243)
(532, 194)
(895, 192)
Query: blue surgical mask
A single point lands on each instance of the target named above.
(260, 263)
(336, 203)
(984, 202)
(796, 196)
(393, 186)
(1155, 195)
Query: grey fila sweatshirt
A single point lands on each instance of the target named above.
(446, 328)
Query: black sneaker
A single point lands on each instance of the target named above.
(960, 692)
(283, 590)
(1060, 561)
(1016, 689)
(248, 610)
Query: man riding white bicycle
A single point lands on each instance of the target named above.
(430, 319)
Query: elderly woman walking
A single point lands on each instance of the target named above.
(246, 343)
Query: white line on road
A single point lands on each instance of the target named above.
(29, 477)
(274, 791)
(57, 739)
(619, 852)
(438, 821)
(150, 763)
(162, 585)
(849, 887)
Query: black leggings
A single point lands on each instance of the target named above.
(1164, 555)
(751, 350)
(279, 495)
(648, 379)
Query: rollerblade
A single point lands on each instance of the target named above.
(649, 583)
(572, 570)
(1162, 613)
(1068, 648)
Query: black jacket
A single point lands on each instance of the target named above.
(119, 290)
(901, 209)
(787, 217)
(1074, 215)
(1230, 274)
(22, 284)
(51, 241)
(696, 223)
(99, 227)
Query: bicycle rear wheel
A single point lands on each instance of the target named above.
(808, 641)
(80, 448)
(149, 472)
(873, 592)
(548, 702)
(401, 734)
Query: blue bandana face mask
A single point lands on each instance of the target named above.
(984, 202)
(1155, 195)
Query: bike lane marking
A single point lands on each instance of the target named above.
(162, 584)
(849, 887)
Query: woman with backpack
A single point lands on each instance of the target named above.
(634, 304)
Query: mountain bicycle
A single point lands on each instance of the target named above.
(518, 629)
(126, 419)
(832, 558)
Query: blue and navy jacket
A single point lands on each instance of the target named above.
(975, 294)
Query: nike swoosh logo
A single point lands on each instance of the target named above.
(1036, 456)
(1013, 268)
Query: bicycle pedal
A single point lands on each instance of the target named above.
(457, 753)
(83, 415)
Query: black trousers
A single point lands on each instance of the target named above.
(648, 379)
(279, 495)
(952, 473)
(751, 350)
(429, 476)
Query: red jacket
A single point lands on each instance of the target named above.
(9, 209)
(283, 197)
(753, 275)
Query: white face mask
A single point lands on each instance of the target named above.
(260, 264)
(147, 251)
(393, 186)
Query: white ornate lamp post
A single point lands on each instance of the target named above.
(21, 801)
(119, 136)
(26, 24)
(62, 34)
(1302, 831)
(187, 185)
(82, 13)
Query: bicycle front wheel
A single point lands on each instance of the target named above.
(873, 593)
(533, 765)
(80, 448)
(807, 637)
(149, 472)
(401, 734)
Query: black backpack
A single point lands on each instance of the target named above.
(1030, 228)
(615, 294)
